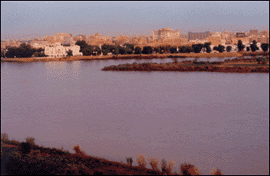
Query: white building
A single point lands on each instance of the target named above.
(57, 50)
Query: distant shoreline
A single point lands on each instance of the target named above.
(254, 65)
(133, 56)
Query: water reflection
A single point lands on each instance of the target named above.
(59, 74)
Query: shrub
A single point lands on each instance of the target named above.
(173, 50)
(30, 140)
(154, 163)
(4, 136)
(253, 47)
(221, 48)
(147, 50)
(129, 161)
(105, 51)
(163, 165)
(229, 48)
(156, 50)
(170, 166)
(240, 45)
(138, 50)
(141, 160)
(25, 148)
(78, 150)
(216, 172)
(188, 169)
(264, 47)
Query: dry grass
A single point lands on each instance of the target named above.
(170, 166)
(216, 172)
(141, 160)
(78, 151)
(189, 169)
(154, 163)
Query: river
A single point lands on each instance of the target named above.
(211, 120)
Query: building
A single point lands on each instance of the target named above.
(216, 40)
(80, 37)
(39, 44)
(58, 50)
(264, 33)
(240, 34)
(226, 35)
(166, 33)
(254, 33)
(198, 35)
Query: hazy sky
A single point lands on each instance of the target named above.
(38, 19)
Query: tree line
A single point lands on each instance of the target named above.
(130, 49)
(25, 50)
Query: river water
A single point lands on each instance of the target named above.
(210, 120)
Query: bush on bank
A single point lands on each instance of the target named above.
(32, 161)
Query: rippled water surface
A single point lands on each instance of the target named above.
(211, 120)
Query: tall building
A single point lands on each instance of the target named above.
(198, 35)
(166, 33)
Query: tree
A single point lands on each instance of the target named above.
(4, 136)
(138, 50)
(115, 50)
(129, 50)
(88, 51)
(82, 44)
(228, 48)
(147, 50)
(255, 43)
(221, 48)
(105, 51)
(215, 48)
(69, 53)
(164, 165)
(129, 46)
(97, 50)
(156, 50)
(253, 46)
(197, 48)
(189, 49)
(122, 50)
(182, 49)
(240, 45)
(3, 53)
(25, 50)
(207, 47)
(30, 140)
(129, 161)
(104, 46)
(162, 49)
(264, 47)
(11, 52)
(173, 50)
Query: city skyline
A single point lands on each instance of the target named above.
(39, 19)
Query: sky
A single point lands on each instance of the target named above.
(23, 20)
